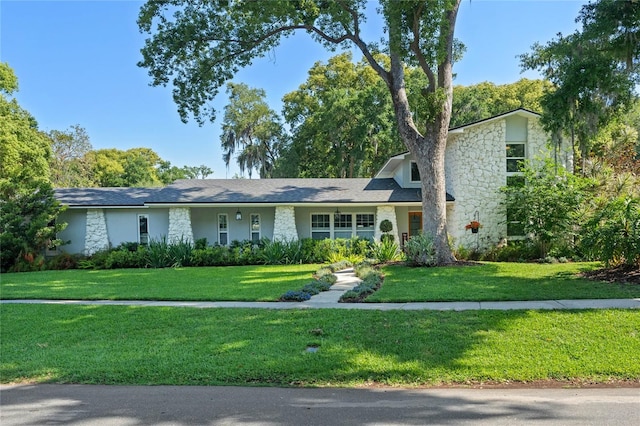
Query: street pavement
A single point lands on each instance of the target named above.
(208, 405)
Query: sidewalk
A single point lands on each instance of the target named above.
(346, 281)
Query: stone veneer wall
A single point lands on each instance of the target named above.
(180, 225)
(475, 173)
(284, 224)
(96, 235)
(389, 213)
(475, 169)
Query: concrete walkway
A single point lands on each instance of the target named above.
(346, 281)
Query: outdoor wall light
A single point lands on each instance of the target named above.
(336, 215)
(238, 215)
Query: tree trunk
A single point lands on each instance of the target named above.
(428, 152)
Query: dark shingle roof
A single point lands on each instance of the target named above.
(97, 197)
(239, 191)
(286, 191)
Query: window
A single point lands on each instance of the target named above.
(515, 157)
(514, 228)
(255, 228)
(143, 229)
(415, 173)
(365, 226)
(343, 226)
(320, 226)
(223, 229)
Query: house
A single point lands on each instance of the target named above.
(480, 159)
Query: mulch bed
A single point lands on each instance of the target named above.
(620, 274)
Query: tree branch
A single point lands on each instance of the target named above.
(415, 48)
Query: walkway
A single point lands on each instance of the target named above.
(346, 281)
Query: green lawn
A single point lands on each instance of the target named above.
(496, 281)
(154, 345)
(242, 283)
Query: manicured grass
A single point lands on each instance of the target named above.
(496, 281)
(242, 283)
(154, 345)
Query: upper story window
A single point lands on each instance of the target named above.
(515, 157)
(415, 173)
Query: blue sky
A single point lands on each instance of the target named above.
(76, 64)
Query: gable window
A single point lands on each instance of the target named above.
(320, 226)
(143, 229)
(223, 229)
(415, 173)
(515, 157)
(255, 228)
(343, 225)
(365, 226)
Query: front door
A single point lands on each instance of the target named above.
(415, 223)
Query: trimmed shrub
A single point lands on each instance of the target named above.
(63, 261)
(295, 296)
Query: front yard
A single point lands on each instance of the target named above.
(187, 346)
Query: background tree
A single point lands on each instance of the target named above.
(594, 71)
(484, 100)
(197, 172)
(342, 122)
(69, 164)
(27, 204)
(200, 47)
(251, 128)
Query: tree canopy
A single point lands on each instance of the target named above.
(594, 71)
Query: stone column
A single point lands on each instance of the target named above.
(96, 235)
(284, 224)
(388, 213)
(180, 225)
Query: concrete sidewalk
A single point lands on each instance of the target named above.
(347, 281)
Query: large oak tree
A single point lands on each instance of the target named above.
(198, 46)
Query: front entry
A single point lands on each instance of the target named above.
(415, 223)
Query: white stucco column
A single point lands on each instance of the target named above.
(180, 225)
(388, 213)
(284, 224)
(96, 235)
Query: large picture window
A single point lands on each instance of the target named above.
(143, 229)
(320, 226)
(365, 226)
(223, 229)
(343, 226)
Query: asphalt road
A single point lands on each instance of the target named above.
(199, 405)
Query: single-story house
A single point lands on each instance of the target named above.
(479, 158)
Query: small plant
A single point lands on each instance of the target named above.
(386, 251)
(295, 296)
(473, 225)
(386, 227)
(420, 251)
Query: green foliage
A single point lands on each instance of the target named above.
(252, 128)
(386, 226)
(547, 206)
(371, 281)
(419, 251)
(485, 100)
(386, 251)
(283, 252)
(582, 102)
(613, 233)
(342, 122)
(514, 251)
(63, 261)
(69, 164)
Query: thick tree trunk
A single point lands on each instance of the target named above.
(428, 152)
